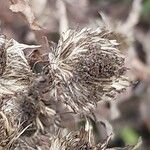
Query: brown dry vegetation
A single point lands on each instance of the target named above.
(73, 78)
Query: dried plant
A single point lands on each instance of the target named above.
(23, 6)
(88, 67)
(85, 67)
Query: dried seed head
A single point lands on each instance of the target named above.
(88, 66)
(15, 77)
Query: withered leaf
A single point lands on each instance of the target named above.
(24, 7)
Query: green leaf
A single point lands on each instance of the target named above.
(129, 136)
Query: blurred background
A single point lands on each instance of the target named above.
(129, 115)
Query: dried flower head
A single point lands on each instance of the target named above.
(15, 77)
(88, 67)
(85, 67)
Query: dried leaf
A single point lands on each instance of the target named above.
(23, 6)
